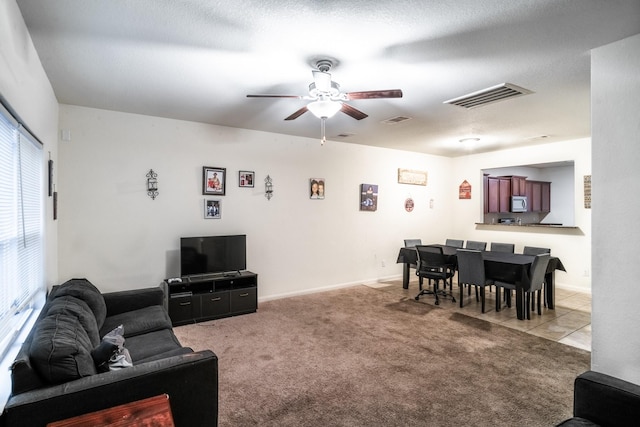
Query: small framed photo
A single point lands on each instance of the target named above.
(316, 188)
(246, 178)
(212, 209)
(213, 180)
(368, 197)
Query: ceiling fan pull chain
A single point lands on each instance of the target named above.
(322, 122)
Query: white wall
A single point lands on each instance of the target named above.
(573, 247)
(615, 103)
(25, 87)
(112, 233)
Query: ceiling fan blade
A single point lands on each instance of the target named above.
(374, 94)
(297, 113)
(275, 96)
(353, 112)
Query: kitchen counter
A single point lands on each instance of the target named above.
(530, 225)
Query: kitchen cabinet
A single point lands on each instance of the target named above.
(498, 194)
(518, 184)
(539, 195)
(499, 189)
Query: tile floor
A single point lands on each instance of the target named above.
(569, 323)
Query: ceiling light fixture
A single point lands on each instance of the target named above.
(324, 109)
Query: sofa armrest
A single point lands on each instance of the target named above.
(606, 400)
(124, 301)
(190, 380)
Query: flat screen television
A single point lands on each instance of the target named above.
(213, 254)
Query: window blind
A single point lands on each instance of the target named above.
(21, 226)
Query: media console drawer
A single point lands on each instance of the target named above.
(244, 300)
(213, 298)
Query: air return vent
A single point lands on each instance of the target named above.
(487, 96)
(395, 120)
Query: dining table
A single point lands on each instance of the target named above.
(502, 266)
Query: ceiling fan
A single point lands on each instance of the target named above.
(327, 99)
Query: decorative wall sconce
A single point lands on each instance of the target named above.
(152, 184)
(268, 187)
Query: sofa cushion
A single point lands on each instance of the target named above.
(61, 350)
(150, 344)
(72, 306)
(86, 291)
(141, 321)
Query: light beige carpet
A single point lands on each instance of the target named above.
(364, 357)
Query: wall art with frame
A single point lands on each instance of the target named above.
(246, 178)
(213, 180)
(316, 188)
(368, 197)
(212, 209)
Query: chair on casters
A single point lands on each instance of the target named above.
(476, 246)
(471, 272)
(455, 243)
(534, 282)
(503, 247)
(432, 264)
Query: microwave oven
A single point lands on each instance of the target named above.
(518, 203)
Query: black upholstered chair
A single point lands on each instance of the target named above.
(432, 265)
(455, 243)
(532, 250)
(503, 247)
(476, 246)
(471, 273)
(534, 282)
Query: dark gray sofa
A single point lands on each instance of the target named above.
(58, 373)
(603, 400)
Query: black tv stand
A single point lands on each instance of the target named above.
(212, 296)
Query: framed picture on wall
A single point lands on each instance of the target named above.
(368, 197)
(246, 178)
(316, 188)
(213, 180)
(212, 209)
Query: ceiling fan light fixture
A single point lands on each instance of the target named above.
(324, 109)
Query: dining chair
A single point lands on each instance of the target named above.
(411, 243)
(503, 247)
(471, 273)
(433, 265)
(533, 282)
(532, 250)
(476, 246)
(455, 243)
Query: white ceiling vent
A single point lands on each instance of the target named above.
(487, 96)
(395, 120)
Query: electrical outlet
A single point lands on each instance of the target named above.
(384, 264)
(586, 272)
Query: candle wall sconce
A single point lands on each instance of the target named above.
(152, 184)
(268, 187)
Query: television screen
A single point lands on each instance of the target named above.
(213, 254)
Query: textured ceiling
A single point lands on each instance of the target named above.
(197, 60)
